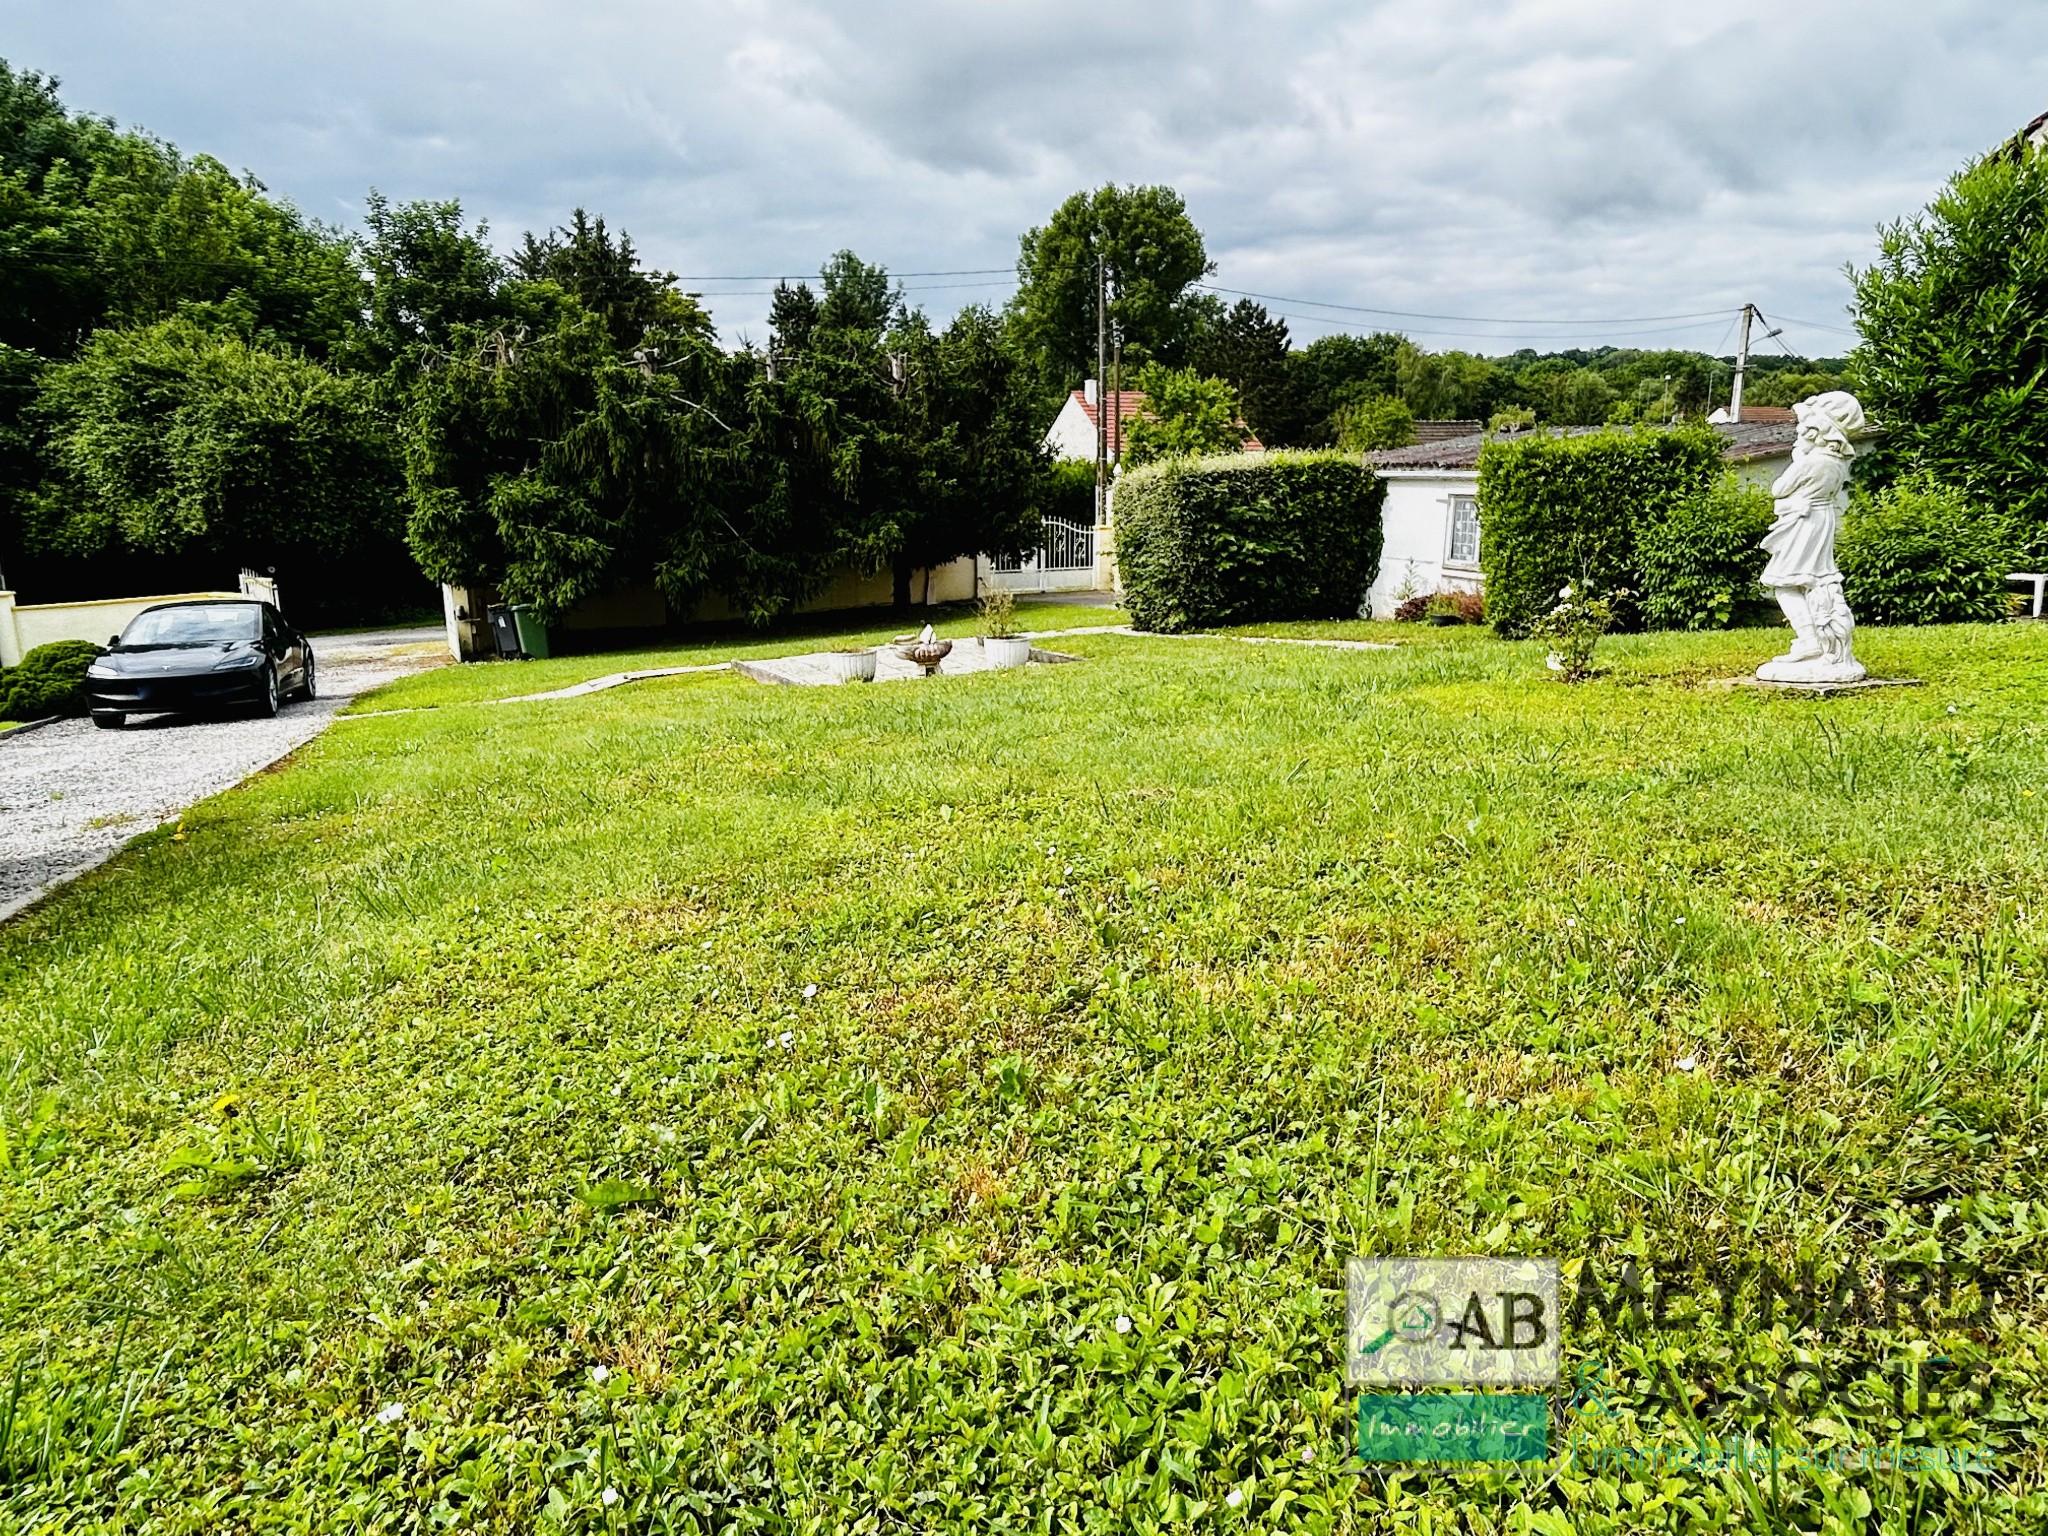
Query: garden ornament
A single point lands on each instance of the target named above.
(1801, 572)
(926, 651)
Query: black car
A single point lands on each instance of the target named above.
(204, 656)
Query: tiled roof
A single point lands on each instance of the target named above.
(1126, 406)
(1742, 442)
(1443, 431)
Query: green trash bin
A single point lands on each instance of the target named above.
(533, 635)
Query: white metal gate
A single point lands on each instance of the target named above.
(1063, 562)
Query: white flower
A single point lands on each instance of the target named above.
(1123, 1324)
(1687, 1063)
(811, 990)
(1571, 922)
(1308, 1453)
(1234, 1498)
(600, 1374)
(391, 1413)
(788, 1038)
(609, 1497)
(1678, 922)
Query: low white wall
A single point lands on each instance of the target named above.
(1417, 525)
(23, 628)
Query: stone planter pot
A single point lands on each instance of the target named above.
(853, 666)
(1006, 651)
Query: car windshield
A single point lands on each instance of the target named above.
(201, 624)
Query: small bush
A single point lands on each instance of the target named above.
(49, 681)
(1920, 553)
(1563, 511)
(1574, 627)
(1247, 538)
(1700, 565)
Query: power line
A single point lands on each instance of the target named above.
(1820, 325)
(1409, 314)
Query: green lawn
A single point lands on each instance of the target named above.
(768, 1103)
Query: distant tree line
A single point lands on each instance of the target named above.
(194, 375)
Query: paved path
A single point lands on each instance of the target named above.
(72, 794)
(818, 669)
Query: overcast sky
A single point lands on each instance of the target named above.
(1580, 169)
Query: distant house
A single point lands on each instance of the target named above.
(1434, 523)
(1072, 433)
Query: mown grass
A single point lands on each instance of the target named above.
(444, 1130)
(497, 680)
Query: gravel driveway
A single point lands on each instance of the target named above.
(72, 794)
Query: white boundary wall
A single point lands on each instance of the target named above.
(22, 629)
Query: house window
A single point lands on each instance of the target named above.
(1464, 531)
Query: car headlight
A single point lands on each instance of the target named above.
(238, 664)
(100, 673)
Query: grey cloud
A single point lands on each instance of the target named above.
(1542, 158)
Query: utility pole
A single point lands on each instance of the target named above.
(1101, 399)
(1741, 364)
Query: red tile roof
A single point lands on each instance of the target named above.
(1126, 406)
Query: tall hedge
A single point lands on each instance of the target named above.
(1557, 510)
(1246, 538)
(1954, 319)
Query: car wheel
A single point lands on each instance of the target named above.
(266, 702)
(108, 720)
(306, 685)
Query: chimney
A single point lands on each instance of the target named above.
(1090, 391)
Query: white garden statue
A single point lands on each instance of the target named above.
(1801, 572)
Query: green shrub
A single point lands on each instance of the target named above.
(1954, 319)
(1246, 538)
(1920, 553)
(1070, 491)
(1384, 421)
(1574, 628)
(1561, 511)
(1699, 566)
(49, 681)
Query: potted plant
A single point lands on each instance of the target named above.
(1443, 609)
(998, 625)
(853, 666)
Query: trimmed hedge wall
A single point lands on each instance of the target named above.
(1560, 510)
(1245, 538)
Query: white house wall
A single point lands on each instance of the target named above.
(1417, 523)
(1072, 434)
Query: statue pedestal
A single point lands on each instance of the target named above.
(1820, 669)
(1825, 689)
